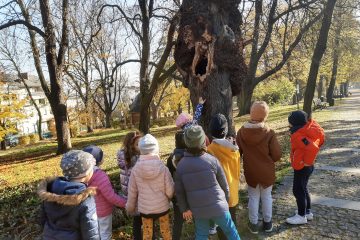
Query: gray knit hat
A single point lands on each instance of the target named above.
(77, 164)
(148, 145)
(194, 137)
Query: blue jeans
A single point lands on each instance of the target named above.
(225, 222)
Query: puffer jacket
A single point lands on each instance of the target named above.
(125, 171)
(68, 210)
(305, 144)
(229, 157)
(106, 197)
(201, 186)
(150, 187)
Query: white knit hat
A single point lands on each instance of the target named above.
(148, 145)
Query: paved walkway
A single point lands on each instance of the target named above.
(334, 185)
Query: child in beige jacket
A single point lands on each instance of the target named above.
(150, 189)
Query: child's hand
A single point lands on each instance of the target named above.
(201, 100)
(187, 215)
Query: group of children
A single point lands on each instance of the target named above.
(201, 178)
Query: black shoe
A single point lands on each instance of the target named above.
(253, 228)
(268, 226)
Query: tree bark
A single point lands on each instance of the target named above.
(317, 55)
(108, 119)
(244, 99)
(62, 128)
(3, 145)
(89, 117)
(209, 57)
(320, 87)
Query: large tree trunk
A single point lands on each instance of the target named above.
(208, 55)
(3, 145)
(317, 56)
(89, 118)
(244, 99)
(62, 127)
(320, 87)
(108, 119)
(144, 124)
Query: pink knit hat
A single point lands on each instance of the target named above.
(183, 119)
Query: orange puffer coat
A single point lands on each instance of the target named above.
(305, 144)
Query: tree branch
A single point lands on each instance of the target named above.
(128, 20)
(64, 44)
(289, 51)
(22, 22)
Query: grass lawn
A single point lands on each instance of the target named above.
(22, 167)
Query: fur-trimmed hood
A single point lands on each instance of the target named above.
(60, 191)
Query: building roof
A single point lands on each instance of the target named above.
(13, 80)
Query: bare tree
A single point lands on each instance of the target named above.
(79, 69)
(140, 20)
(317, 55)
(55, 52)
(108, 52)
(295, 21)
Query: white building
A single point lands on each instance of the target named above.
(13, 85)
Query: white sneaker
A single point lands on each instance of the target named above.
(296, 220)
(309, 216)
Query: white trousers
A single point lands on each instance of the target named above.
(105, 227)
(255, 194)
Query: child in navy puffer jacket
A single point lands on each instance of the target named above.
(68, 210)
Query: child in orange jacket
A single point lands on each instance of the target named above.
(306, 139)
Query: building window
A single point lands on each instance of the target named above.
(42, 101)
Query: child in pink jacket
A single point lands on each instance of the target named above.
(105, 197)
(150, 189)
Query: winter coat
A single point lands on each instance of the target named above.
(150, 187)
(201, 186)
(68, 210)
(125, 171)
(174, 159)
(305, 144)
(229, 157)
(260, 150)
(105, 197)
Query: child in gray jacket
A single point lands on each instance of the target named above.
(201, 187)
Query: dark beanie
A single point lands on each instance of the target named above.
(179, 140)
(298, 118)
(96, 152)
(218, 126)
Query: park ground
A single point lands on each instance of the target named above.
(335, 184)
